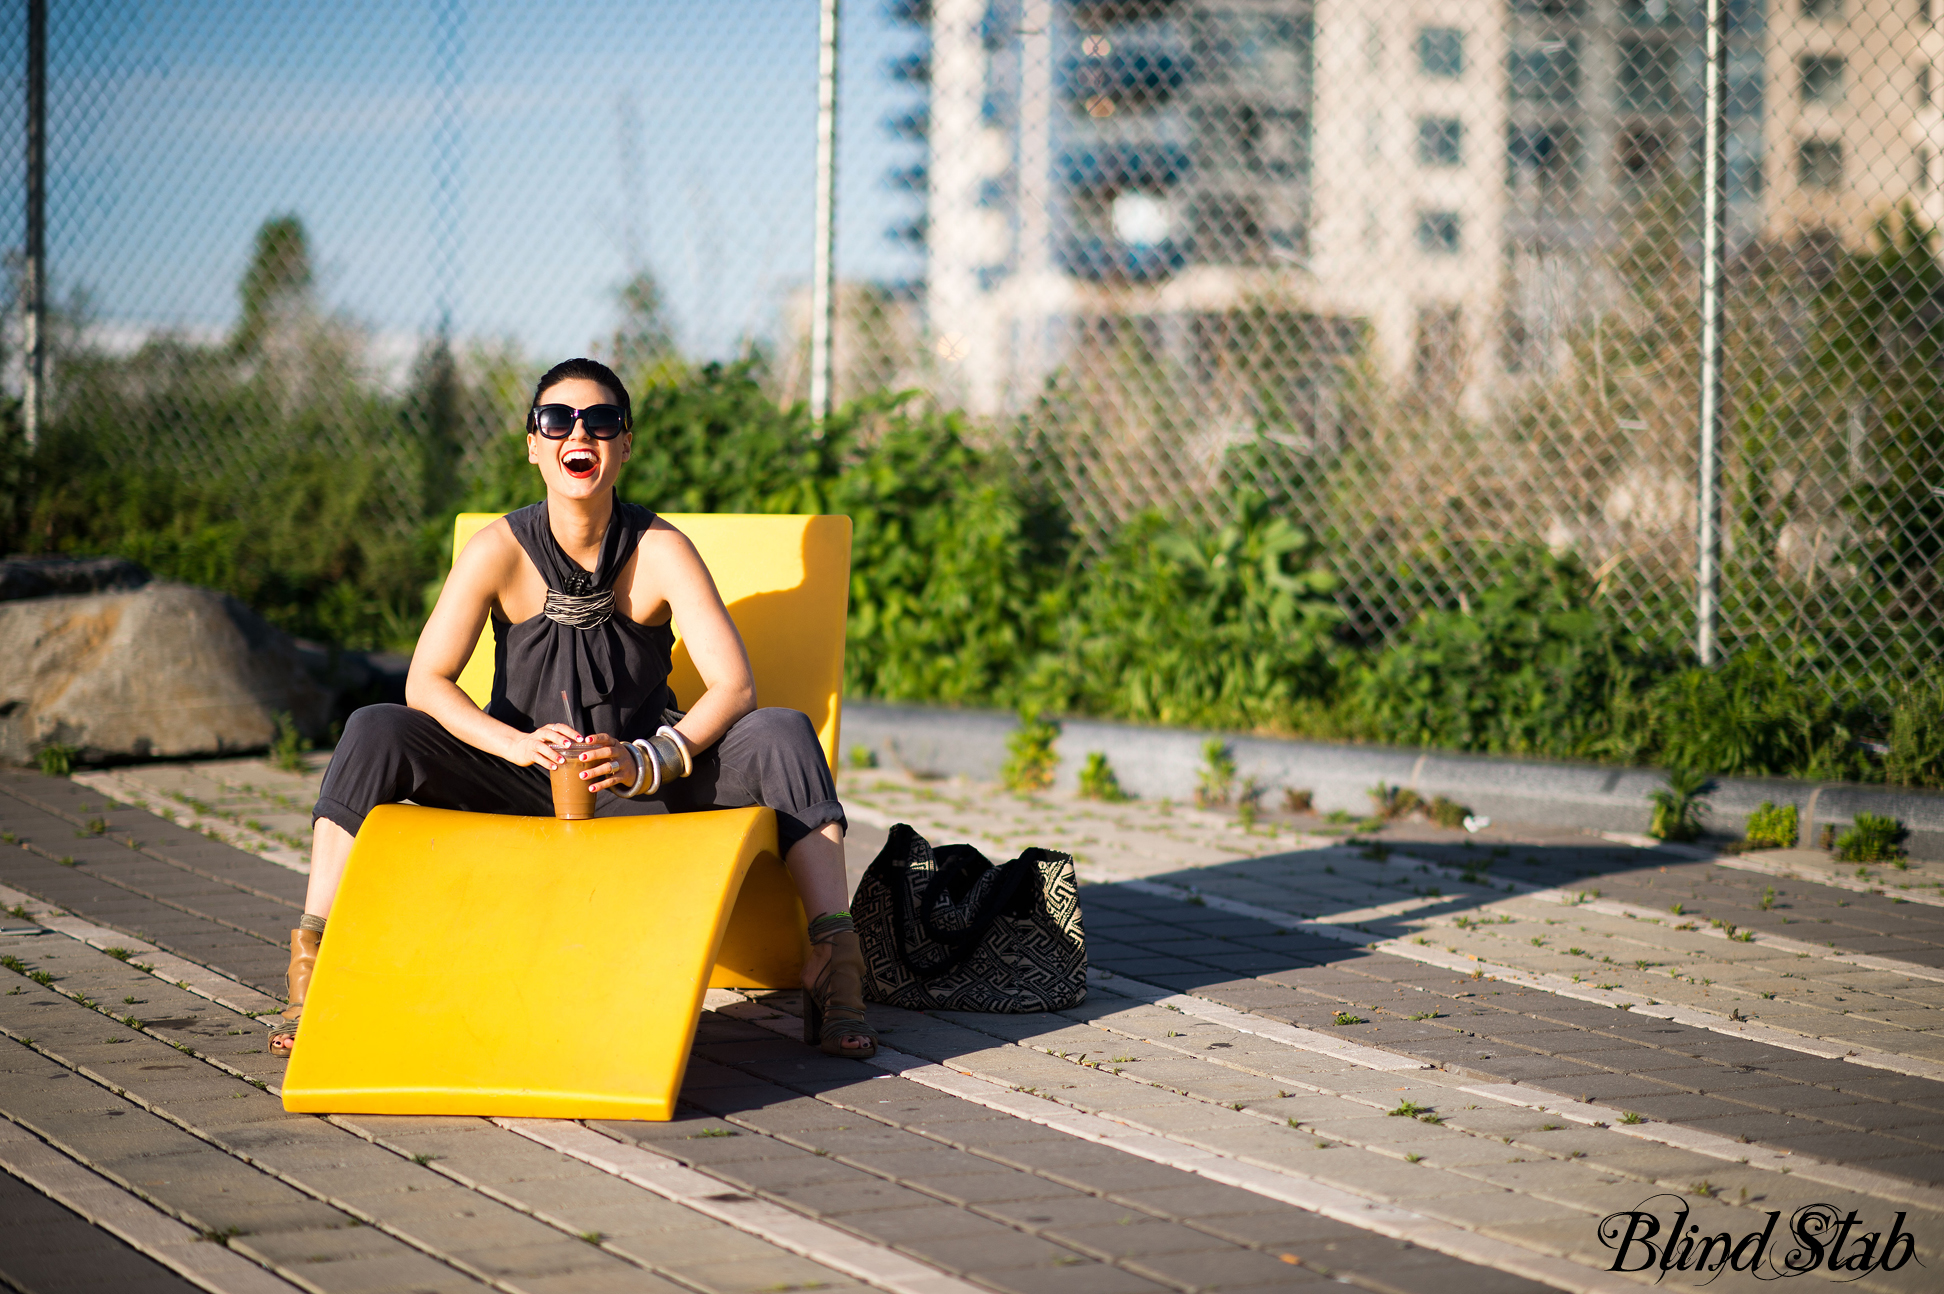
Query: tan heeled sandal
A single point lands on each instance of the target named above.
(833, 1007)
(303, 960)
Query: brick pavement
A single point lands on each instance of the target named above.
(1197, 1124)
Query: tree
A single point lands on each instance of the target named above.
(278, 285)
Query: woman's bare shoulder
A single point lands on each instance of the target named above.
(490, 554)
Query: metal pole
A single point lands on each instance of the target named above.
(34, 267)
(823, 272)
(1714, 236)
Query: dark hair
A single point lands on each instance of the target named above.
(591, 370)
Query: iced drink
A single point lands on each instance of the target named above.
(573, 798)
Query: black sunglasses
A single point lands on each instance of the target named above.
(556, 421)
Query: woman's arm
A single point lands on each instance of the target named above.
(713, 643)
(446, 644)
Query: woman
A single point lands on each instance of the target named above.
(583, 590)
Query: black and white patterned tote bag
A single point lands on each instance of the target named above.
(944, 929)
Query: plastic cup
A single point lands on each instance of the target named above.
(573, 798)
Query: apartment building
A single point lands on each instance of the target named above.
(1853, 127)
(1449, 183)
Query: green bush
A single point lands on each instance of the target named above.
(1916, 756)
(1770, 827)
(1225, 627)
(1533, 667)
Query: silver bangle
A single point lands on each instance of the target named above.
(648, 754)
(641, 774)
(681, 744)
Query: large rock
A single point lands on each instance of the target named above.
(160, 671)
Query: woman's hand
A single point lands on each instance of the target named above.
(611, 766)
(541, 746)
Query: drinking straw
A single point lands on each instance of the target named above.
(567, 708)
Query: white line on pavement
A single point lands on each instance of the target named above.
(185, 974)
(820, 1242)
(1828, 1049)
(1272, 1182)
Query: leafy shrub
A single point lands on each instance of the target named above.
(1098, 782)
(1870, 838)
(1916, 743)
(1531, 668)
(1030, 760)
(1770, 827)
(1226, 627)
(1680, 805)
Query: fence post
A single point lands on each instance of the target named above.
(823, 271)
(1714, 231)
(34, 265)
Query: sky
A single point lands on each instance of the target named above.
(505, 165)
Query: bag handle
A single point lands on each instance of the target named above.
(960, 945)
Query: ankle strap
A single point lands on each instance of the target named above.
(827, 927)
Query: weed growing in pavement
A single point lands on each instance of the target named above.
(1216, 780)
(1767, 901)
(1408, 1110)
(1098, 781)
(1743, 936)
(422, 1159)
(715, 1132)
(1770, 827)
(1871, 838)
(1412, 1157)
(861, 757)
(592, 1237)
(67, 860)
(1680, 805)
(41, 978)
(18, 910)
(1344, 1017)
(56, 760)
(1704, 1188)
(119, 954)
(1298, 801)
(1248, 802)
(288, 747)
(1030, 760)
(1448, 813)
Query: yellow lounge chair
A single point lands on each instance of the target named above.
(488, 964)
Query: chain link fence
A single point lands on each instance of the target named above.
(1425, 274)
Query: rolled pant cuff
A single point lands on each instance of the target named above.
(339, 812)
(792, 827)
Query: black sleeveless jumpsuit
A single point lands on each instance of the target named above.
(615, 674)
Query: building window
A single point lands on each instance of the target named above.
(1822, 10)
(1820, 78)
(1542, 157)
(1649, 75)
(1545, 70)
(1819, 164)
(1652, 13)
(1441, 51)
(1437, 231)
(1440, 141)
